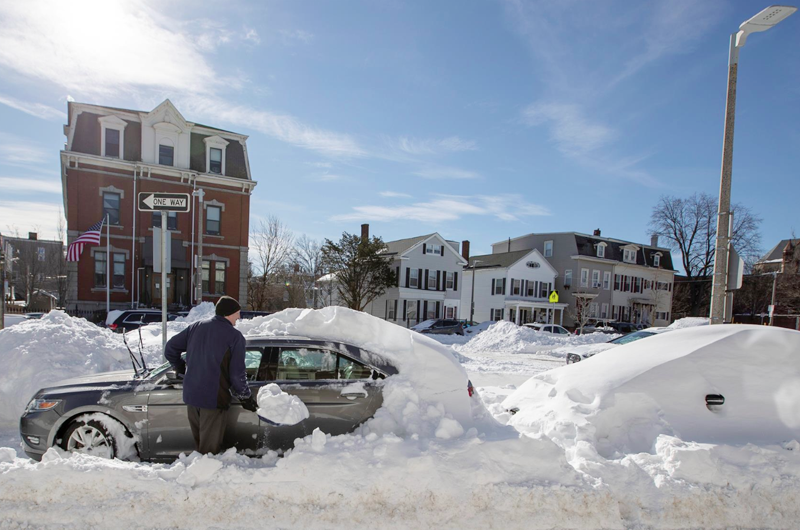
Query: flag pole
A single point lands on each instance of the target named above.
(108, 264)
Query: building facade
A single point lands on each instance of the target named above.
(429, 270)
(34, 268)
(622, 281)
(513, 286)
(113, 154)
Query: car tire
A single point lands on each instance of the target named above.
(89, 436)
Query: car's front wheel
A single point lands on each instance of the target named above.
(89, 436)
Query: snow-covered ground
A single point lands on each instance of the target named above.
(408, 467)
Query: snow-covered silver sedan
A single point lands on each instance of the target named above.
(141, 414)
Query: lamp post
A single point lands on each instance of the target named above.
(761, 22)
(472, 294)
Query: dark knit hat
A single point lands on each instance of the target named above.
(226, 306)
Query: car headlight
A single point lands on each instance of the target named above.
(38, 405)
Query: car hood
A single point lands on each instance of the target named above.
(121, 376)
(587, 350)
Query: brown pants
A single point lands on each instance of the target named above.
(208, 428)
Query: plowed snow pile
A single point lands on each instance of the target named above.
(37, 353)
(508, 337)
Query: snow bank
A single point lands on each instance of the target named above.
(507, 337)
(429, 366)
(689, 322)
(622, 401)
(202, 311)
(38, 353)
(279, 407)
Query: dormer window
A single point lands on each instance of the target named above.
(657, 259)
(601, 250)
(629, 255)
(166, 155)
(215, 155)
(112, 136)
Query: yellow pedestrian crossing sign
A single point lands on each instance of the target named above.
(554, 297)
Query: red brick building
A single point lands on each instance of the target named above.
(113, 154)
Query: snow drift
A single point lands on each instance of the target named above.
(38, 353)
(508, 337)
(622, 401)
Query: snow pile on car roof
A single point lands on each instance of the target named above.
(507, 337)
(428, 365)
(202, 311)
(689, 322)
(622, 401)
(38, 353)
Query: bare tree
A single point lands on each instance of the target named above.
(271, 248)
(308, 255)
(362, 273)
(689, 226)
(582, 311)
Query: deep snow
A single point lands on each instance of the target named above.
(411, 466)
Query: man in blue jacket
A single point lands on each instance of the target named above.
(215, 371)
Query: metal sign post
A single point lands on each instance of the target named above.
(163, 202)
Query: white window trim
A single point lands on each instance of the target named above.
(568, 274)
(585, 278)
(550, 255)
(112, 189)
(214, 202)
(596, 279)
(449, 279)
(217, 143)
(112, 122)
(601, 250)
(657, 259)
(606, 280)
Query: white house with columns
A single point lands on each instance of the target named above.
(512, 286)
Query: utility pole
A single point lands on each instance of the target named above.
(472, 294)
(2, 283)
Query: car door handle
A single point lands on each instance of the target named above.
(353, 394)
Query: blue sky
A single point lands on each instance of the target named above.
(481, 120)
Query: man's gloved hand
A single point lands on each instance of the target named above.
(180, 371)
(250, 404)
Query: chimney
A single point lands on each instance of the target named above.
(465, 250)
(509, 245)
(365, 232)
(654, 240)
(32, 236)
(596, 232)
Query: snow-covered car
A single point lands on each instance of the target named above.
(553, 329)
(444, 326)
(128, 414)
(579, 353)
(120, 321)
(732, 384)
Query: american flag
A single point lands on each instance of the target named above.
(90, 237)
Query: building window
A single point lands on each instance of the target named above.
(616, 282)
(213, 214)
(606, 280)
(601, 250)
(548, 249)
(431, 310)
(100, 269)
(118, 272)
(531, 289)
(498, 286)
(390, 304)
(568, 278)
(219, 277)
(449, 282)
(413, 278)
(593, 310)
(111, 207)
(411, 310)
(172, 220)
(544, 290)
(166, 155)
(629, 256)
(431, 280)
(206, 268)
(40, 253)
(497, 314)
(433, 249)
(584, 277)
(595, 279)
(516, 287)
(449, 312)
(112, 143)
(657, 260)
(215, 161)
(604, 311)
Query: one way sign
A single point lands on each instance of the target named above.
(168, 202)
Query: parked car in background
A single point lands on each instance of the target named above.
(120, 321)
(625, 327)
(252, 314)
(580, 353)
(33, 316)
(553, 329)
(440, 326)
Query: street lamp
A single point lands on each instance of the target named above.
(761, 22)
(472, 294)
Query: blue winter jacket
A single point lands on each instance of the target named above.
(214, 364)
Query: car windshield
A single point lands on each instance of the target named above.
(631, 337)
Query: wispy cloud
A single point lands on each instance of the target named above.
(569, 127)
(439, 172)
(448, 208)
(26, 185)
(14, 152)
(34, 109)
(395, 194)
(30, 217)
(430, 146)
(251, 35)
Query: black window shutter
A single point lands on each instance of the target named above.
(419, 306)
(395, 310)
(491, 314)
(408, 276)
(426, 279)
(425, 310)
(405, 308)
(386, 310)
(419, 275)
(441, 251)
(493, 280)
(512, 285)
(438, 308)
(504, 286)
(424, 247)
(397, 274)
(455, 281)
(438, 281)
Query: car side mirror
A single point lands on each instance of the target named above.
(171, 378)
